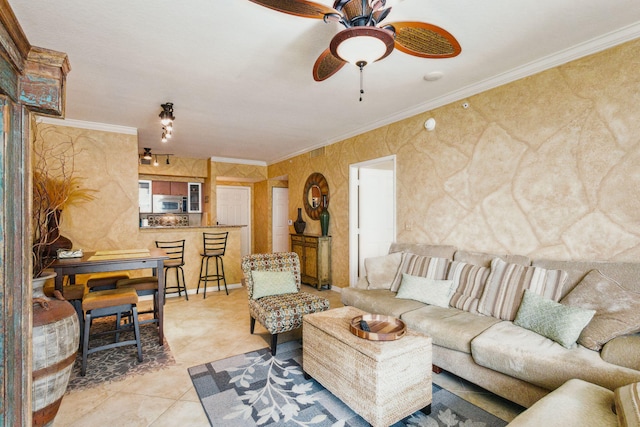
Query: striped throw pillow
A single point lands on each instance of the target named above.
(506, 284)
(421, 266)
(469, 281)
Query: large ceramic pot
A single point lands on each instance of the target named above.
(56, 335)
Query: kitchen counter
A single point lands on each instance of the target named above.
(187, 227)
(192, 235)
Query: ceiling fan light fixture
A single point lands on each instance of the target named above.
(362, 44)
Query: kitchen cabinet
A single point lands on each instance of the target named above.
(194, 202)
(315, 258)
(179, 189)
(162, 187)
(170, 188)
(144, 196)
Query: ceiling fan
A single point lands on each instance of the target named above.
(364, 40)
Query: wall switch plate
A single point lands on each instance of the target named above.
(290, 222)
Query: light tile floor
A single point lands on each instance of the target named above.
(199, 331)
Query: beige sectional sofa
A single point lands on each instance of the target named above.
(508, 360)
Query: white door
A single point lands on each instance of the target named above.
(234, 208)
(372, 212)
(280, 218)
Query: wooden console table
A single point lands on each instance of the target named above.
(315, 258)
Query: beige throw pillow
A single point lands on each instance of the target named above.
(506, 284)
(382, 270)
(422, 266)
(617, 309)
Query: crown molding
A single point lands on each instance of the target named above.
(238, 161)
(581, 50)
(80, 124)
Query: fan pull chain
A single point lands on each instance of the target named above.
(361, 64)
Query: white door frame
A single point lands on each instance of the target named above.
(274, 224)
(354, 214)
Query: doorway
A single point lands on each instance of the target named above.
(280, 219)
(233, 207)
(372, 211)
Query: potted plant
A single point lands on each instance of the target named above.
(54, 188)
(55, 327)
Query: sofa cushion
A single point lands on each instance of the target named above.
(378, 301)
(484, 259)
(423, 266)
(627, 399)
(469, 282)
(438, 251)
(561, 323)
(623, 351)
(448, 327)
(382, 270)
(523, 354)
(428, 291)
(617, 309)
(575, 403)
(506, 284)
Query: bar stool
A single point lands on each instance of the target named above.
(107, 303)
(104, 281)
(175, 251)
(147, 285)
(214, 246)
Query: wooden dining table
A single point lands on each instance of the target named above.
(116, 260)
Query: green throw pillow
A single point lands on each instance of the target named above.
(428, 291)
(267, 283)
(560, 323)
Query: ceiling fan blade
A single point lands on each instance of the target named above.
(326, 66)
(424, 40)
(304, 8)
(379, 15)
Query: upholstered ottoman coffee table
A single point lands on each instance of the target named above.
(382, 381)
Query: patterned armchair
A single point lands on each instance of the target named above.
(283, 312)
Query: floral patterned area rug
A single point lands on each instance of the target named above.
(116, 364)
(256, 389)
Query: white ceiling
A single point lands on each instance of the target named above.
(239, 74)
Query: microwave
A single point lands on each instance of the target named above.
(168, 204)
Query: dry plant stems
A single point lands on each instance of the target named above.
(54, 188)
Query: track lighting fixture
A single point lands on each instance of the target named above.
(147, 154)
(167, 118)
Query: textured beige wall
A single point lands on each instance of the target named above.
(548, 166)
(179, 169)
(261, 223)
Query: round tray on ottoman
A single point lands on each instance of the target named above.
(381, 327)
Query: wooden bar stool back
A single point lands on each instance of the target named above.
(214, 245)
(110, 302)
(175, 251)
(104, 281)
